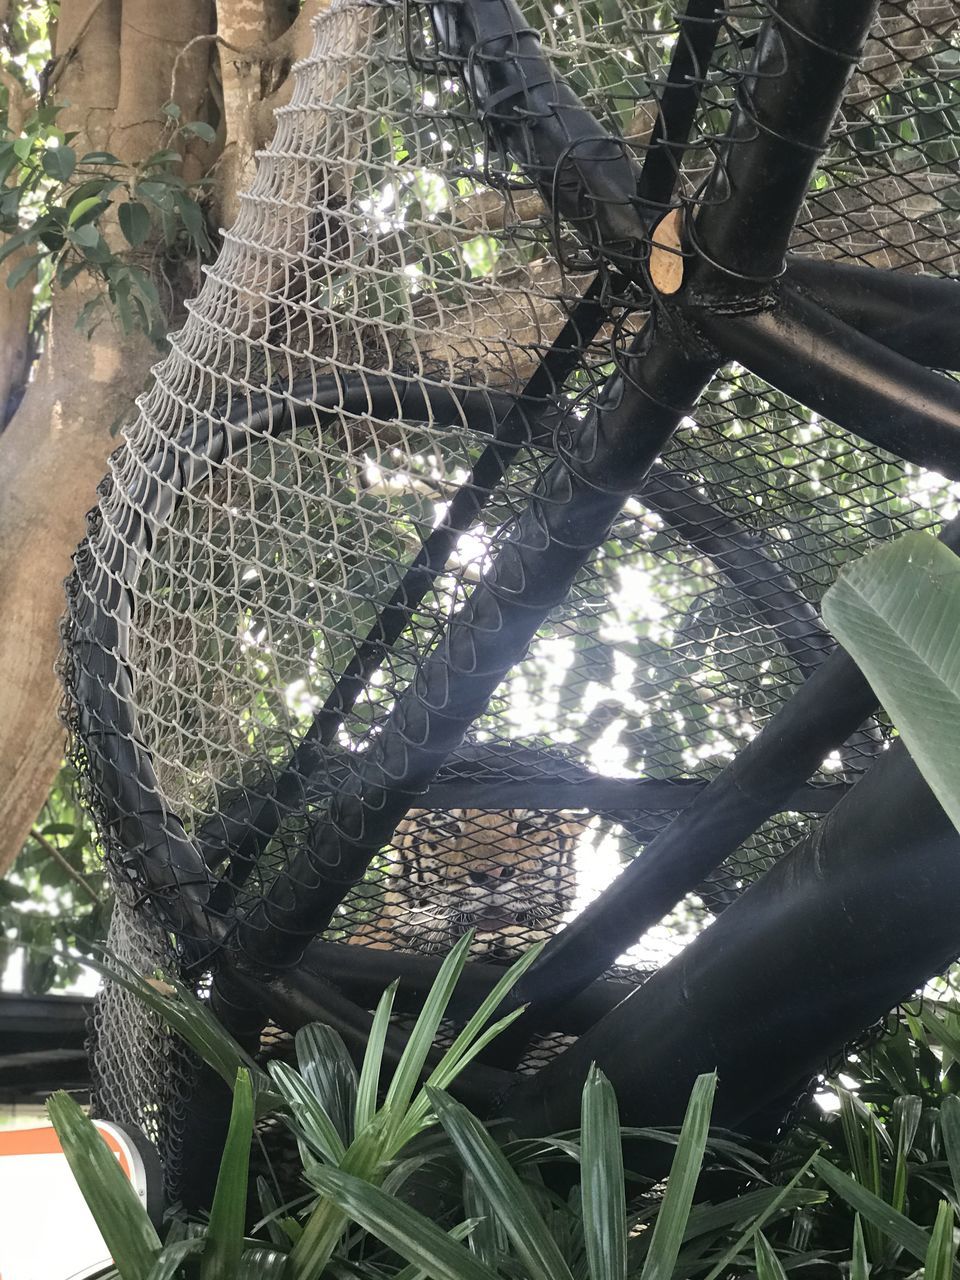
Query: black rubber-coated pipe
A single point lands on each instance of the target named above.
(363, 973)
(608, 454)
(789, 749)
(163, 859)
(863, 386)
(918, 316)
(856, 918)
(780, 124)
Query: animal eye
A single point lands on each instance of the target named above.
(525, 826)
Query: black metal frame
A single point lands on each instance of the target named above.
(853, 343)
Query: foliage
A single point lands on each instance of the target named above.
(55, 903)
(897, 610)
(66, 209)
(405, 1182)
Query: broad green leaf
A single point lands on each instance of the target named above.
(907, 1111)
(769, 1266)
(83, 206)
(409, 1069)
(364, 1159)
(469, 1042)
(99, 157)
(894, 1225)
(601, 1180)
(402, 1228)
(758, 1222)
(897, 612)
(122, 1219)
(134, 222)
(950, 1128)
(59, 163)
(509, 1198)
(172, 1256)
(681, 1183)
(261, 1263)
(200, 129)
(369, 1083)
(327, 1069)
(87, 237)
(859, 1265)
(462, 1231)
(309, 1114)
(938, 1264)
(706, 1218)
(224, 1240)
(23, 269)
(192, 1020)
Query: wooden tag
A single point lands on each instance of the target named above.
(666, 263)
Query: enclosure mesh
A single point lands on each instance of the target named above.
(384, 234)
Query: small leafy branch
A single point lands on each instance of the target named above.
(57, 204)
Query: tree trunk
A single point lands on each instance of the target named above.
(55, 449)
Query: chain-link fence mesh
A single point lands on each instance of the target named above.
(392, 279)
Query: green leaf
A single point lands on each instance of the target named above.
(859, 1266)
(509, 1199)
(950, 1128)
(401, 1228)
(100, 157)
(172, 1256)
(23, 269)
(681, 1183)
(907, 1111)
(87, 237)
(122, 1219)
(897, 612)
(261, 1263)
(16, 241)
(199, 129)
(59, 162)
(893, 1225)
(470, 1042)
(224, 1238)
(406, 1077)
(373, 1060)
(939, 1261)
(172, 110)
(601, 1180)
(83, 206)
(159, 158)
(193, 1021)
(310, 1118)
(134, 222)
(769, 1266)
(328, 1070)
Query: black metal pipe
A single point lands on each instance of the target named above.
(699, 25)
(607, 456)
(856, 918)
(294, 1000)
(155, 847)
(246, 831)
(362, 974)
(865, 387)
(744, 561)
(790, 747)
(918, 316)
(582, 171)
(780, 124)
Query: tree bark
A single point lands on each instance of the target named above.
(117, 75)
